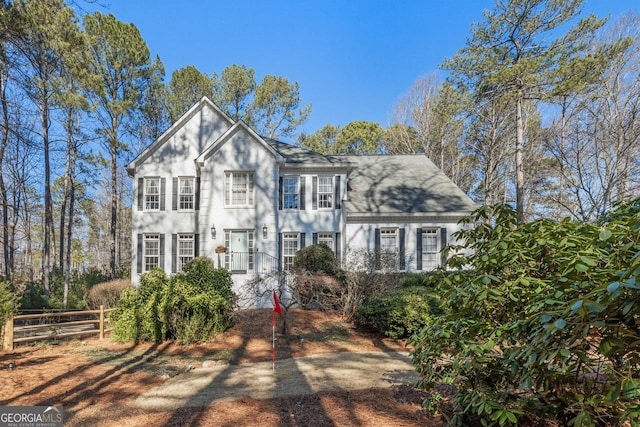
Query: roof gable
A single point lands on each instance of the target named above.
(222, 124)
(237, 127)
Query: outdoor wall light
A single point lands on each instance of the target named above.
(264, 232)
(213, 231)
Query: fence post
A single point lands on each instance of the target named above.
(101, 321)
(7, 334)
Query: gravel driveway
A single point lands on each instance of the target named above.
(291, 377)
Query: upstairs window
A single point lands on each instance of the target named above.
(238, 190)
(152, 194)
(290, 192)
(186, 192)
(325, 192)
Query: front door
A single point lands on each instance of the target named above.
(238, 248)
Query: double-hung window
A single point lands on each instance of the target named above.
(325, 192)
(430, 248)
(151, 249)
(152, 194)
(186, 192)
(186, 249)
(290, 245)
(389, 240)
(290, 192)
(389, 248)
(238, 190)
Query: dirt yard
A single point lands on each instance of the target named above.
(107, 384)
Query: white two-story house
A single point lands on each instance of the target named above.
(209, 183)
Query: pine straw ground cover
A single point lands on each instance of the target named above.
(97, 382)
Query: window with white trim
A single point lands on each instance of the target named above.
(290, 192)
(238, 188)
(151, 248)
(326, 239)
(325, 192)
(389, 240)
(186, 191)
(152, 194)
(430, 248)
(290, 246)
(389, 248)
(186, 249)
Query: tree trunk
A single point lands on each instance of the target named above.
(519, 163)
(114, 206)
(48, 211)
(3, 190)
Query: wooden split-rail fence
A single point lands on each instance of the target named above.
(25, 328)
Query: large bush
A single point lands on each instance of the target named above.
(198, 303)
(543, 319)
(317, 259)
(319, 279)
(190, 307)
(400, 313)
(106, 294)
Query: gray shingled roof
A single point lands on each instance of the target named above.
(402, 184)
(298, 155)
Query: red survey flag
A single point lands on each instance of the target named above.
(277, 308)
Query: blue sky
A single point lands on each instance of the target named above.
(352, 58)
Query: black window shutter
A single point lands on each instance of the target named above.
(419, 249)
(338, 246)
(376, 241)
(314, 191)
(140, 193)
(314, 238)
(197, 193)
(196, 245)
(403, 258)
(163, 188)
(174, 194)
(302, 240)
(280, 184)
(336, 192)
(139, 255)
(161, 261)
(443, 243)
(303, 187)
(174, 252)
(280, 260)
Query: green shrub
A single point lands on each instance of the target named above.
(198, 302)
(316, 259)
(400, 313)
(33, 297)
(75, 295)
(125, 319)
(106, 294)
(191, 306)
(543, 318)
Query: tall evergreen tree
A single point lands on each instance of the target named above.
(120, 59)
(187, 86)
(514, 55)
(48, 38)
